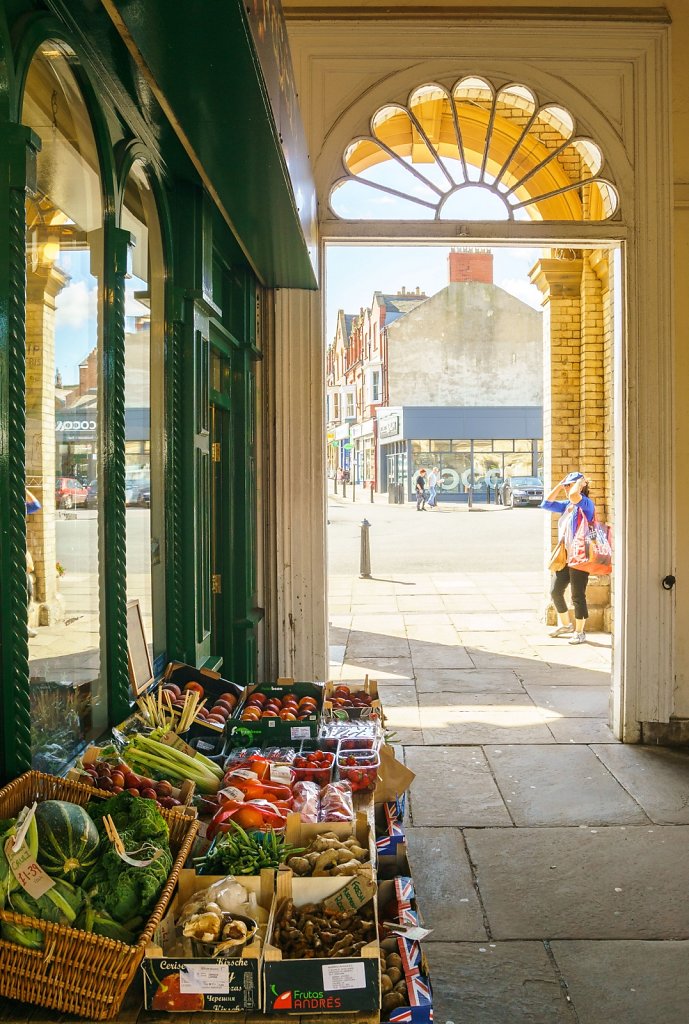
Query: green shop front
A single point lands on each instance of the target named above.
(147, 212)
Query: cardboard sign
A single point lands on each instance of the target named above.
(393, 777)
(355, 894)
(344, 976)
(171, 739)
(27, 871)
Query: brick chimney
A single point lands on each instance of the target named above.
(470, 265)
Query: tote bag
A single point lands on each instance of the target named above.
(591, 549)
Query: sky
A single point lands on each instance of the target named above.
(355, 272)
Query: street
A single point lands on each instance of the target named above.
(447, 539)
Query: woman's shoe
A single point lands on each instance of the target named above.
(562, 631)
(578, 638)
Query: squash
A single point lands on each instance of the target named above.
(68, 840)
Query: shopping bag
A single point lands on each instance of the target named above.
(558, 558)
(591, 549)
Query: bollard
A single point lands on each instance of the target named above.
(335, 481)
(365, 559)
(470, 497)
(487, 494)
(371, 491)
(344, 488)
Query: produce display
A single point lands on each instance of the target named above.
(289, 708)
(149, 755)
(336, 802)
(237, 852)
(327, 855)
(393, 985)
(95, 889)
(208, 710)
(360, 769)
(314, 931)
(115, 776)
(346, 698)
(317, 772)
(314, 766)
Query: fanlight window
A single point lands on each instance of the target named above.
(473, 153)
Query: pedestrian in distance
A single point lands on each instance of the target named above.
(421, 493)
(433, 485)
(576, 488)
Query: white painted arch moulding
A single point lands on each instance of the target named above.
(632, 127)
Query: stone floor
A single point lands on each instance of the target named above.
(549, 859)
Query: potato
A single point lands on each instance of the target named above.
(385, 984)
(394, 974)
(401, 987)
(392, 1000)
(394, 960)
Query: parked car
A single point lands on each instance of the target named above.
(69, 492)
(522, 490)
(92, 495)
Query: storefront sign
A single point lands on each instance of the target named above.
(389, 427)
(68, 426)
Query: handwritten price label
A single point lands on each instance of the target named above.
(28, 873)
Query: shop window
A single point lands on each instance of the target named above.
(336, 407)
(375, 386)
(351, 411)
(144, 396)
(64, 392)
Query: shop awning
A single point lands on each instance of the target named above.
(231, 101)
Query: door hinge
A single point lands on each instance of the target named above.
(216, 583)
(215, 451)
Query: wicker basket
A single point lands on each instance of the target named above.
(76, 971)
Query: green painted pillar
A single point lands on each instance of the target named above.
(113, 565)
(18, 148)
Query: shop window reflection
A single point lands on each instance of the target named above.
(144, 374)
(63, 403)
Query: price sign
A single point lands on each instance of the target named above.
(27, 871)
(281, 773)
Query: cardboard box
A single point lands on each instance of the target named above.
(299, 833)
(416, 974)
(397, 901)
(321, 986)
(389, 827)
(213, 684)
(274, 731)
(186, 984)
(369, 686)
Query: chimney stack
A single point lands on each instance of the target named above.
(403, 290)
(470, 265)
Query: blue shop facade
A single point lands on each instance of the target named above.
(475, 448)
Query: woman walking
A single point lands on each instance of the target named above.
(578, 503)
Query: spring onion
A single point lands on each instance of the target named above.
(143, 753)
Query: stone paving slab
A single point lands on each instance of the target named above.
(622, 882)
(541, 672)
(393, 668)
(478, 621)
(372, 645)
(426, 655)
(571, 701)
(657, 778)
(444, 885)
(629, 982)
(475, 680)
(560, 785)
(453, 786)
(581, 730)
(464, 700)
(518, 725)
(501, 660)
(498, 983)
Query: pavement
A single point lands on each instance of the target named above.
(549, 859)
